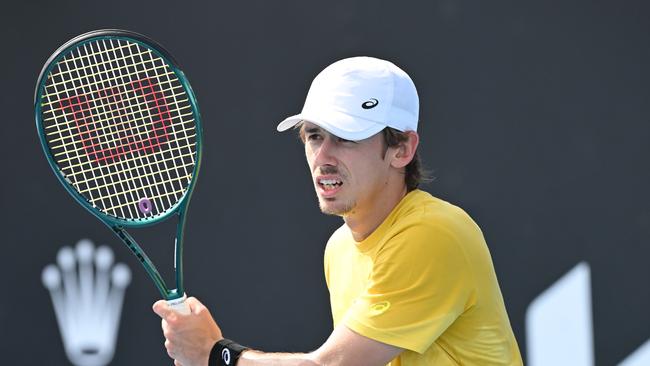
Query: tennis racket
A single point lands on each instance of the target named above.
(120, 126)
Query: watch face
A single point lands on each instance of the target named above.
(225, 356)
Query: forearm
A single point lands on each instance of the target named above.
(343, 348)
(190, 340)
(258, 358)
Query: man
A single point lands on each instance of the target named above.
(410, 277)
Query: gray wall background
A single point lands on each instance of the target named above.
(534, 119)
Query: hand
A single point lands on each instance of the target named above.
(188, 338)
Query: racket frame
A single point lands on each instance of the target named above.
(119, 225)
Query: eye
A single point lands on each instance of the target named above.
(314, 137)
(342, 140)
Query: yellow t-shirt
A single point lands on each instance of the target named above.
(422, 281)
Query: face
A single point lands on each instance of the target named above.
(348, 175)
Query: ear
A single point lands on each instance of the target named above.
(404, 152)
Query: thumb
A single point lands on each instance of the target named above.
(161, 308)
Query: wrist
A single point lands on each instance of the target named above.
(225, 353)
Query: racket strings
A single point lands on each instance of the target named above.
(102, 184)
(169, 191)
(126, 128)
(104, 190)
(118, 127)
(117, 99)
(113, 176)
(68, 77)
(73, 147)
(128, 173)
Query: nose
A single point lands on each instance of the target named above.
(326, 153)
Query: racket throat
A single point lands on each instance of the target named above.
(148, 265)
(175, 254)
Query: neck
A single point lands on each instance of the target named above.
(362, 222)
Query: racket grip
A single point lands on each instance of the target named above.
(179, 305)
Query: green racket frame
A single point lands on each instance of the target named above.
(118, 225)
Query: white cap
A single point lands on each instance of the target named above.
(357, 97)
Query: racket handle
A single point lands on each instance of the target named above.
(179, 305)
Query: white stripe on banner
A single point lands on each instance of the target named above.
(559, 327)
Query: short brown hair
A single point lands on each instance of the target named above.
(414, 172)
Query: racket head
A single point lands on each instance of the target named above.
(120, 126)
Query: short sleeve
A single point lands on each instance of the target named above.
(419, 284)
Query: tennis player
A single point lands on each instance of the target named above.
(410, 277)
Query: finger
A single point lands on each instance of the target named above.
(197, 306)
(170, 351)
(167, 332)
(161, 308)
(194, 304)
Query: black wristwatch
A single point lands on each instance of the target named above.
(225, 353)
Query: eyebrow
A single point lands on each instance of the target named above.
(312, 130)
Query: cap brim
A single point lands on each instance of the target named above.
(289, 122)
(338, 124)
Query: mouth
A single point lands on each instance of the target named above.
(328, 186)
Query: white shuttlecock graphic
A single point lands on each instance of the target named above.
(87, 292)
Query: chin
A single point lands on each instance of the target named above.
(335, 208)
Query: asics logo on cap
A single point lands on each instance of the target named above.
(372, 103)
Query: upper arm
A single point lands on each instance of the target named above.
(345, 347)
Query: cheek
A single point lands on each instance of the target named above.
(309, 158)
(375, 171)
(310, 163)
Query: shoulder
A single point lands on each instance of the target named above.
(339, 235)
(423, 213)
(337, 239)
(428, 206)
(430, 227)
